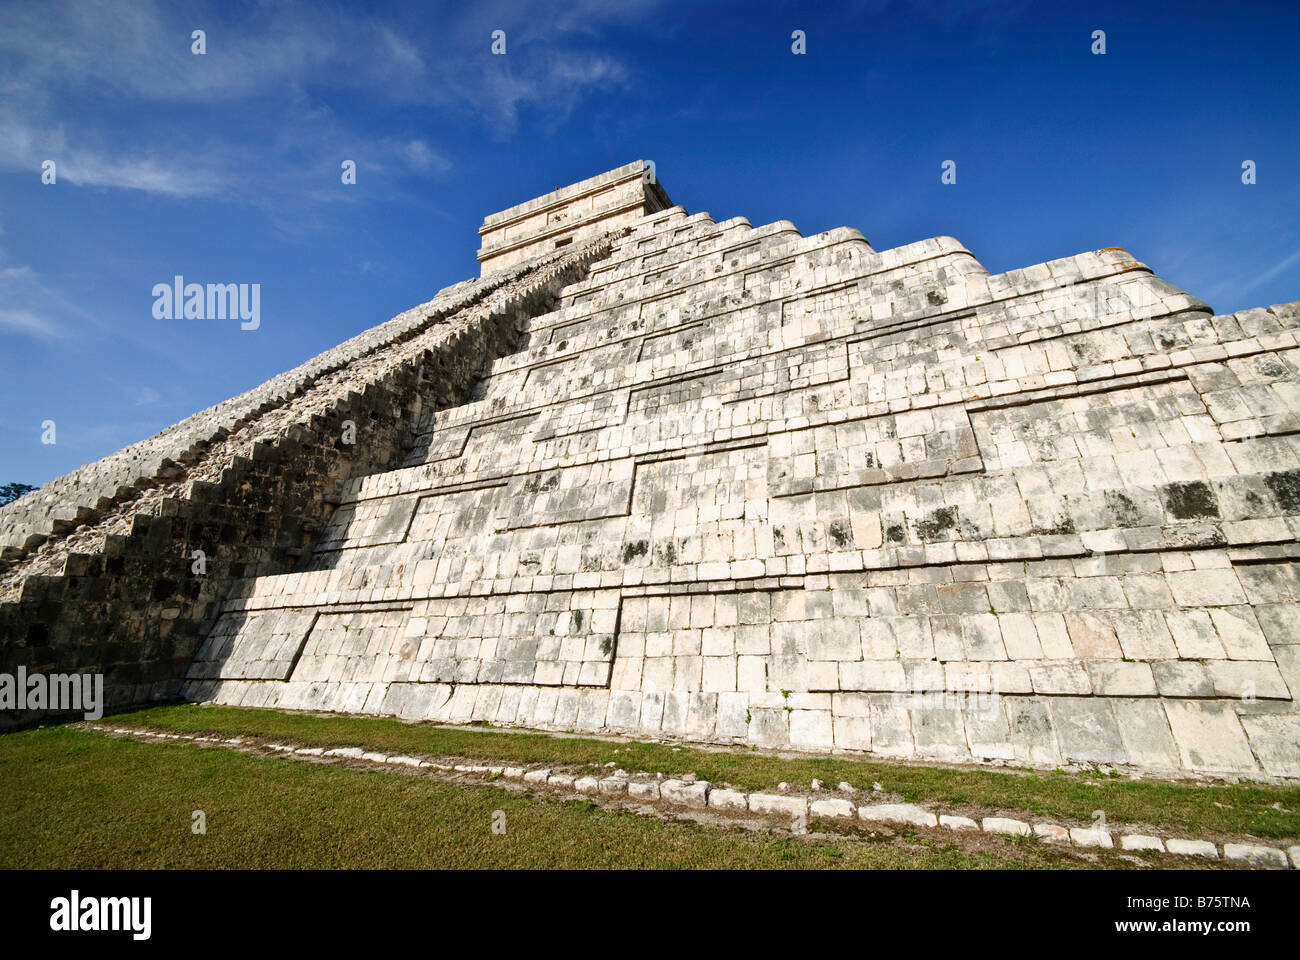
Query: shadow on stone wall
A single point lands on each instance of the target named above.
(137, 610)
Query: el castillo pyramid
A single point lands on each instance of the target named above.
(656, 475)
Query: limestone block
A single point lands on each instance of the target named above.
(1087, 730)
(1052, 833)
(811, 729)
(777, 805)
(1081, 837)
(722, 799)
(1137, 841)
(1005, 825)
(1206, 588)
(1180, 678)
(1192, 848)
(1144, 731)
(833, 808)
(643, 789)
(686, 794)
(1255, 855)
(898, 813)
(1112, 678)
(1210, 737)
(1275, 739)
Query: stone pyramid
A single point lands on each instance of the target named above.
(658, 475)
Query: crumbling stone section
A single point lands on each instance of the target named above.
(121, 596)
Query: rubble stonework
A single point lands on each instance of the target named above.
(740, 485)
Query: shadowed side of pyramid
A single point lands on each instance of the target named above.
(120, 568)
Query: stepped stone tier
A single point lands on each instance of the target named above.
(698, 480)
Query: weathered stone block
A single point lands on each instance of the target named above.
(1015, 828)
(686, 794)
(898, 813)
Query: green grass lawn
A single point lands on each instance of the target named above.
(74, 798)
(1183, 809)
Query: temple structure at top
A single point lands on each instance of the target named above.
(577, 212)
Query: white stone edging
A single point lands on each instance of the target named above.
(701, 795)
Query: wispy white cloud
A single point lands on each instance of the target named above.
(115, 96)
(26, 306)
(136, 398)
(423, 158)
(148, 174)
(30, 306)
(20, 320)
(1275, 271)
(145, 396)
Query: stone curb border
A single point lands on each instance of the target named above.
(702, 795)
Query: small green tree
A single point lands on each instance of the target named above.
(10, 492)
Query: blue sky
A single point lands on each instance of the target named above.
(226, 167)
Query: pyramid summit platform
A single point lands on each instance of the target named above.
(658, 475)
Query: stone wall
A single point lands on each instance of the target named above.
(746, 486)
